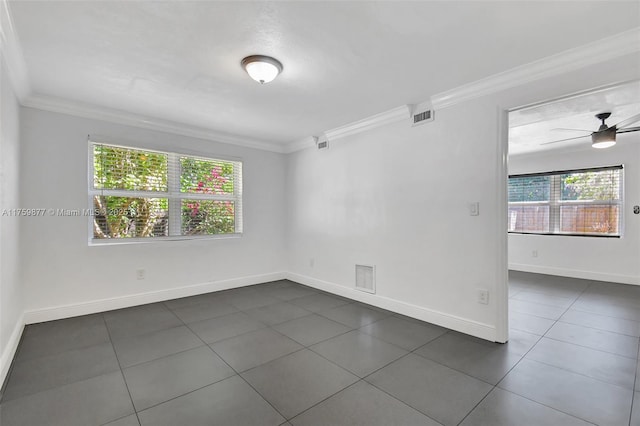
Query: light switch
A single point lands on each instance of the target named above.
(474, 208)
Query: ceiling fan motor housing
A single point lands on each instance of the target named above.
(603, 136)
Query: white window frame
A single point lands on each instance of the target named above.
(173, 195)
(555, 203)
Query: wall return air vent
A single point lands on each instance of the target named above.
(423, 117)
(365, 278)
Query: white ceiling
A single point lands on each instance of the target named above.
(531, 129)
(343, 61)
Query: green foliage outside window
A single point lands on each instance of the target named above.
(125, 169)
(601, 185)
(529, 188)
(206, 217)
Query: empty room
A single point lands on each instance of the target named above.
(319, 213)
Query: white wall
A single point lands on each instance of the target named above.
(11, 290)
(606, 259)
(65, 276)
(397, 196)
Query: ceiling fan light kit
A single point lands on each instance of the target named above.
(262, 69)
(605, 136)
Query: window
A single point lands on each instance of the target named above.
(570, 202)
(141, 194)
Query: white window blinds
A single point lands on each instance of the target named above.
(141, 194)
(569, 202)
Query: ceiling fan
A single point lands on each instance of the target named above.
(605, 136)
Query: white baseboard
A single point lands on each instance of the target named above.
(463, 325)
(575, 273)
(94, 306)
(9, 351)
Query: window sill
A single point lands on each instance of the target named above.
(564, 235)
(161, 240)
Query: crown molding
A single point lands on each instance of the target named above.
(300, 144)
(396, 114)
(608, 48)
(64, 106)
(12, 53)
(391, 116)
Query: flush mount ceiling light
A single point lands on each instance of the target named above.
(262, 69)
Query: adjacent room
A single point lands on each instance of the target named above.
(319, 213)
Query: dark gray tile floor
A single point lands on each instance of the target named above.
(284, 354)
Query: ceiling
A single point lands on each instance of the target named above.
(343, 61)
(532, 128)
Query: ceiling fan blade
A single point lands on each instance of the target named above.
(565, 140)
(630, 120)
(571, 130)
(628, 130)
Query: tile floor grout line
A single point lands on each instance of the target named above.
(604, 315)
(184, 394)
(328, 360)
(321, 341)
(236, 373)
(519, 298)
(330, 396)
(351, 372)
(532, 347)
(455, 369)
(62, 384)
(290, 353)
(580, 374)
(395, 344)
(479, 402)
(392, 396)
(545, 336)
(348, 325)
(601, 329)
(120, 418)
(493, 386)
(589, 347)
(121, 370)
(370, 384)
(545, 405)
(265, 400)
(558, 320)
(633, 390)
(539, 316)
(506, 373)
(601, 315)
(163, 357)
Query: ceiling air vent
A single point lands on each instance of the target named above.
(365, 278)
(422, 117)
(321, 142)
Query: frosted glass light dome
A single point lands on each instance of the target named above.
(262, 69)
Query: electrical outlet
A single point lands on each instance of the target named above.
(534, 253)
(312, 262)
(474, 208)
(483, 296)
(140, 274)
